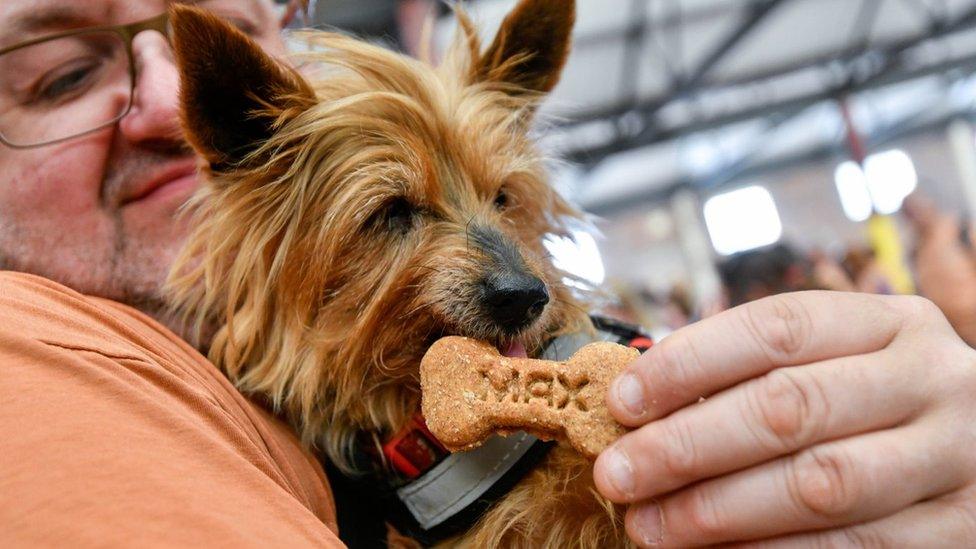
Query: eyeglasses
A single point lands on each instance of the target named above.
(70, 84)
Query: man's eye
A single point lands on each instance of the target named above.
(65, 81)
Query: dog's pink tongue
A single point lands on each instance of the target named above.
(515, 350)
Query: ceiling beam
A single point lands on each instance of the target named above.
(755, 15)
(591, 156)
(887, 73)
(819, 154)
(937, 29)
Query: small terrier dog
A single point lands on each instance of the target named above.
(346, 224)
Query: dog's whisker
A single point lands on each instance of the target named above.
(428, 269)
(467, 233)
(412, 311)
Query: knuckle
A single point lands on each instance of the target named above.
(830, 540)
(705, 517)
(944, 374)
(782, 326)
(968, 446)
(967, 522)
(790, 408)
(682, 458)
(863, 538)
(680, 366)
(963, 365)
(955, 372)
(823, 484)
(918, 308)
(960, 512)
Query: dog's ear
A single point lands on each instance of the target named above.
(531, 46)
(231, 92)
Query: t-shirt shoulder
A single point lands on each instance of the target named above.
(36, 308)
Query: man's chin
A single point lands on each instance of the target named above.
(150, 237)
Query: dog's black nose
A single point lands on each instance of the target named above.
(514, 300)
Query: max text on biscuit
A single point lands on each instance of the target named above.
(559, 391)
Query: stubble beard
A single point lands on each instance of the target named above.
(120, 266)
(117, 262)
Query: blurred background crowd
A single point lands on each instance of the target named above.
(734, 149)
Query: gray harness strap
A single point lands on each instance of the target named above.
(461, 478)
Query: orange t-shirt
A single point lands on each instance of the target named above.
(114, 432)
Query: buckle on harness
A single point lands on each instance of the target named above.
(414, 450)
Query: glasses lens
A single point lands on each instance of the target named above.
(64, 87)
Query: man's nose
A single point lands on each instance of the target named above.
(154, 115)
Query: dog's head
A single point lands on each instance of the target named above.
(349, 222)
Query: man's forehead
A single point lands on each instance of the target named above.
(17, 15)
(19, 11)
(24, 19)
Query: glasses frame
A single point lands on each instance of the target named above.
(127, 32)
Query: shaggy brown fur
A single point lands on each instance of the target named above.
(346, 226)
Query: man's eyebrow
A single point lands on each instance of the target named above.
(57, 17)
(32, 23)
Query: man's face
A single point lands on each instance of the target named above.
(98, 212)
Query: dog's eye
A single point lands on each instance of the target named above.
(398, 216)
(501, 200)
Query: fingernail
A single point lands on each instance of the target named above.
(649, 523)
(620, 472)
(630, 392)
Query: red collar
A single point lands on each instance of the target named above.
(414, 450)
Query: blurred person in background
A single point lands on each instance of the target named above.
(864, 271)
(945, 264)
(829, 274)
(756, 274)
(679, 307)
(661, 313)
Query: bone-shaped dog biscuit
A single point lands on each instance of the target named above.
(470, 391)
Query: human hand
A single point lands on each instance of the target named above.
(945, 266)
(831, 420)
(828, 274)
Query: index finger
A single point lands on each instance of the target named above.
(746, 342)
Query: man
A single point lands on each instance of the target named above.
(847, 413)
(114, 431)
